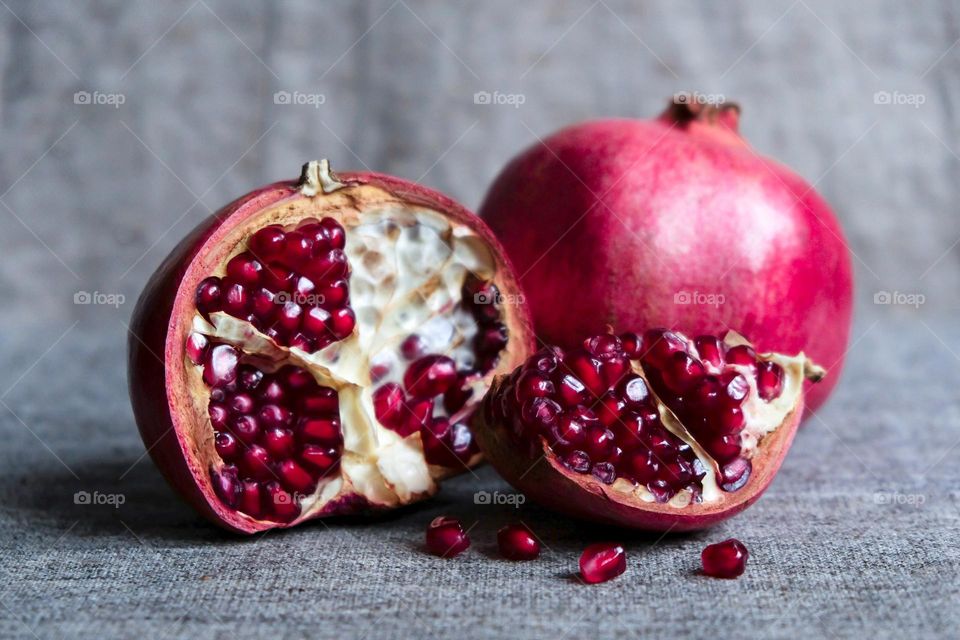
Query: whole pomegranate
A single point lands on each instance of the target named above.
(318, 347)
(658, 432)
(674, 222)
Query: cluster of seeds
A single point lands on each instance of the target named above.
(598, 416)
(277, 433)
(292, 285)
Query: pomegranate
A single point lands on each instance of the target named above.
(674, 222)
(317, 348)
(725, 559)
(446, 537)
(517, 542)
(658, 432)
(602, 561)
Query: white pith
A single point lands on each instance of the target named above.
(761, 419)
(408, 266)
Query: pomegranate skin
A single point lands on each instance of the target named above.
(157, 334)
(608, 221)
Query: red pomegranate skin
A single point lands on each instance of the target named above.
(169, 297)
(607, 221)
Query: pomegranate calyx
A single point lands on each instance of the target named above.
(688, 112)
(317, 176)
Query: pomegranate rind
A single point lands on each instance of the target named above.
(161, 322)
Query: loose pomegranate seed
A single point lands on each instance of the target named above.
(603, 561)
(725, 559)
(517, 542)
(446, 537)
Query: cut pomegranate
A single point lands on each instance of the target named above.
(446, 537)
(725, 559)
(324, 345)
(517, 542)
(656, 435)
(602, 562)
(675, 221)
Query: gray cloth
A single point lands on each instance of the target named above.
(124, 124)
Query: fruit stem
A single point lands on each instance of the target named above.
(719, 120)
(317, 176)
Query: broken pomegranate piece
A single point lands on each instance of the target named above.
(657, 432)
(325, 344)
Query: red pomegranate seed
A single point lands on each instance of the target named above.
(218, 416)
(196, 347)
(742, 355)
(578, 461)
(634, 391)
(570, 430)
(335, 233)
(226, 485)
(417, 414)
(388, 404)
(268, 242)
(735, 474)
(603, 561)
(341, 323)
(413, 347)
(572, 391)
(333, 294)
(643, 466)
(251, 498)
(315, 321)
(660, 345)
(318, 457)
(735, 387)
(517, 542)
(446, 537)
(710, 350)
(279, 442)
(726, 559)
(321, 430)
(208, 295)
(226, 446)
(256, 463)
(246, 428)
(323, 401)
(293, 477)
(282, 504)
(430, 376)
(724, 448)
(236, 301)
(605, 472)
(769, 380)
(587, 370)
(533, 384)
(221, 365)
(681, 372)
(244, 269)
(632, 345)
(603, 344)
(598, 443)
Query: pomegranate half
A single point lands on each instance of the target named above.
(660, 432)
(674, 222)
(317, 348)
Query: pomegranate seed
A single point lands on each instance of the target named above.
(545, 360)
(446, 537)
(517, 542)
(335, 233)
(660, 345)
(267, 242)
(297, 248)
(323, 401)
(643, 466)
(634, 391)
(196, 347)
(272, 415)
(226, 486)
(735, 387)
(710, 350)
(742, 355)
(587, 370)
(603, 561)
(632, 345)
(226, 446)
(533, 384)
(570, 430)
(730, 420)
(413, 347)
(333, 294)
(273, 392)
(726, 559)
(540, 413)
(279, 442)
(330, 265)
(578, 461)
(598, 443)
(388, 403)
(282, 504)
(320, 430)
(221, 365)
(609, 408)
(605, 472)
(681, 372)
(769, 380)
(319, 458)
(241, 403)
(278, 277)
(735, 474)
(315, 321)
(218, 416)
(724, 448)
(491, 339)
(208, 295)
(603, 344)
(293, 477)
(244, 269)
(235, 299)
(341, 323)
(255, 463)
(251, 498)
(572, 391)
(288, 318)
(417, 414)
(430, 376)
